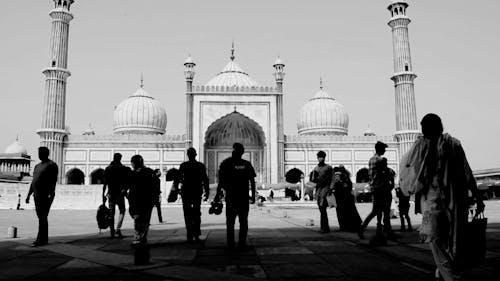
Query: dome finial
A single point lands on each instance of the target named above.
(320, 83)
(142, 80)
(232, 51)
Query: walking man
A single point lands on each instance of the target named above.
(141, 197)
(115, 181)
(235, 176)
(194, 181)
(380, 183)
(437, 171)
(322, 176)
(43, 188)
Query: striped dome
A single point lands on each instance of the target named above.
(139, 114)
(16, 148)
(323, 115)
(234, 127)
(232, 75)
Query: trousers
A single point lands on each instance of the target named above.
(42, 207)
(233, 210)
(192, 216)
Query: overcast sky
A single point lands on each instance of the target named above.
(455, 50)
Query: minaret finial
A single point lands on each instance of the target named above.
(232, 51)
(321, 83)
(142, 80)
(235, 108)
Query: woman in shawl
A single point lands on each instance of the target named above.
(347, 214)
(437, 171)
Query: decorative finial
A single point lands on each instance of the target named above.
(17, 137)
(321, 83)
(232, 51)
(142, 80)
(235, 108)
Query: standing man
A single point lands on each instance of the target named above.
(43, 188)
(115, 180)
(141, 197)
(322, 176)
(441, 178)
(379, 175)
(194, 180)
(235, 176)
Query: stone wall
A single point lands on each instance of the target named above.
(75, 197)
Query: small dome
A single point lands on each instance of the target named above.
(89, 131)
(16, 148)
(323, 115)
(189, 60)
(369, 132)
(139, 114)
(278, 61)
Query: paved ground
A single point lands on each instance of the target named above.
(282, 248)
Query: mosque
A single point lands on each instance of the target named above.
(231, 107)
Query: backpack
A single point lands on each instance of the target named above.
(103, 217)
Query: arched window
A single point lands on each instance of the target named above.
(75, 176)
(65, 4)
(97, 176)
(53, 63)
(59, 3)
(406, 67)
(396, 11)
(362, 176)
(401, 10)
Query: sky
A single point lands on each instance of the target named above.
(454, 45)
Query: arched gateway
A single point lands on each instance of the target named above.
(231, 128)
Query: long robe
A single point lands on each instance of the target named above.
(441, 178)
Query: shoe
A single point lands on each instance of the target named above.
(324, 231)
(112, 233)
(119, 234)
(197, 239)
(38, 244)
(410, 229)
(189, 240)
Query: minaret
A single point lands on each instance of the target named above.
(279, 75)
(53, 128)
(406, 113)
(189, 75)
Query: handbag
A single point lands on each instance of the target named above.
(475, 248)
(330, 199)
(174, 194)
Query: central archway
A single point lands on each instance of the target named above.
(231, 128)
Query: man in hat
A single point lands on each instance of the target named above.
(322, 176)
(235, 177)
(194, 181)
(43, 188)
(381, 184)
(115, 179)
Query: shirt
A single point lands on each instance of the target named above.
(115, 177)
(44, 178)
(194, 179)
(142, 193)
(235, 176)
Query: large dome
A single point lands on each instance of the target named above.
(232, 75)
(16, 148)
(139, 114)
(323, 115)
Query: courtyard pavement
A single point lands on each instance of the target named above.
(283, 246)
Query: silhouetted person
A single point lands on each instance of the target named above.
(404, 209)
(347, 214)
(235, 177)
(43, 188)
(115, 181)
(380, 184)
(322, 176)
(141, 197)
(441, 178)
(157, 185)
(194, 181)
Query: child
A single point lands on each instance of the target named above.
(404, 208)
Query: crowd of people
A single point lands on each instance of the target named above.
(435, 171)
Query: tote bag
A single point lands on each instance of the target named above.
(475, 248)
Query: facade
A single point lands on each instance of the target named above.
(15, 163)
(231, 107)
